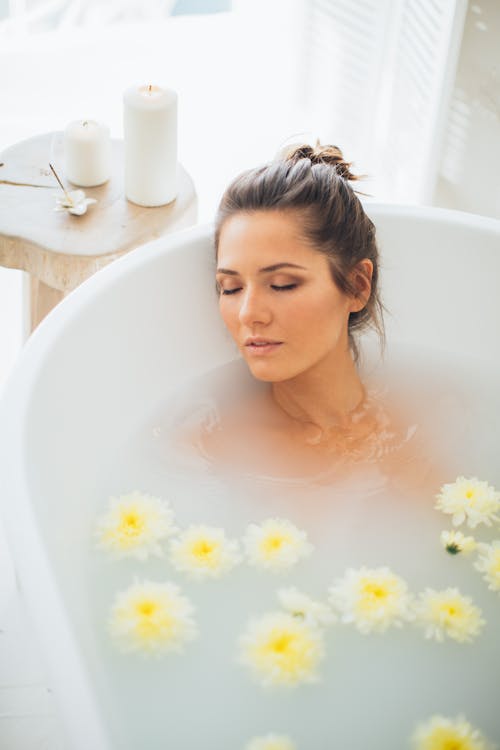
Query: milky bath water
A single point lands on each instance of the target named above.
(374, 511)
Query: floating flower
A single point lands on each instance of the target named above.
(442, 733)
(455, 542)
(469, 499)
(488, 562)
(204, 552)
(448, 613)
(281, 649)
(135, 525)
(74, 202)
(302, 606)
(271, 742)
(152, 617)
(372, 599)
(275, 544)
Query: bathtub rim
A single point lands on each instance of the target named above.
(70, 306)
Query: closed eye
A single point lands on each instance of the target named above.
(276, 287)
(231, 291)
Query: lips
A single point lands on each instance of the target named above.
(259, 341)
(257, 346)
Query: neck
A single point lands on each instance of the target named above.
(324, 396)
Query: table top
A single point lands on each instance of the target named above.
(51, 245)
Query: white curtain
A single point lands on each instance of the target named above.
(378, 79)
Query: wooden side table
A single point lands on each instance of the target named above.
(60, 250)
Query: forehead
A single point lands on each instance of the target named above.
(263, 238)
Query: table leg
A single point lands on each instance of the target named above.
(42, 299)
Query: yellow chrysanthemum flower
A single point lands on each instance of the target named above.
(471, 500)
(442, 733)
(448, 613)
(271, 742)
(135, 525)
(300, 605)
(455, 542)
(372, 599)
(204, 552)
(275, 544)
(281, 650)
(488, 562)
(152, 617)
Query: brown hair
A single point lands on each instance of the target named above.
(314, 181)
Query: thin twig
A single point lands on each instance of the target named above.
(60, 183)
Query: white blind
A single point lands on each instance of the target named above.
(378, 79)
(423, 72)
(343, 69)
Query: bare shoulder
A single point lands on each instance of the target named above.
(220, 416)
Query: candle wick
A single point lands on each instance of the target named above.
(60, 183)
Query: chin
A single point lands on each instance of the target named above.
(267, 373)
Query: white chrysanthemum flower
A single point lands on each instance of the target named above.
(455, 542)
(281, 649)
(135, 525)
(152, 617)
(302, 606)
(204, 552)
(372, 599)
(275, 544)
(442, 733)
(271, 742)
(488, 562)
(471, 500)
(448, 613)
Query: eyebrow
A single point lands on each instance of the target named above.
(267, 269)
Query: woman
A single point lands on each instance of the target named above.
(297, 276)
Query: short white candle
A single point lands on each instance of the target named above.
(150, 135)
(87, 153)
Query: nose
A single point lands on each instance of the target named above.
(254, 308)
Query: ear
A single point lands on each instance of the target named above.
(361, 279)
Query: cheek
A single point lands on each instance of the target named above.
(320, 317)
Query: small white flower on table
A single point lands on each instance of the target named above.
(74, 202)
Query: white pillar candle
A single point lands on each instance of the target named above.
(150, 134)
(87, 153)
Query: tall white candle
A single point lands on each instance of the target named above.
(87, 153)
(150, 134)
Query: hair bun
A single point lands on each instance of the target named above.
(319, 154)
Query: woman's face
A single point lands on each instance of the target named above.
(278, 299)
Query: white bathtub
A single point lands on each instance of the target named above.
(109, 353)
